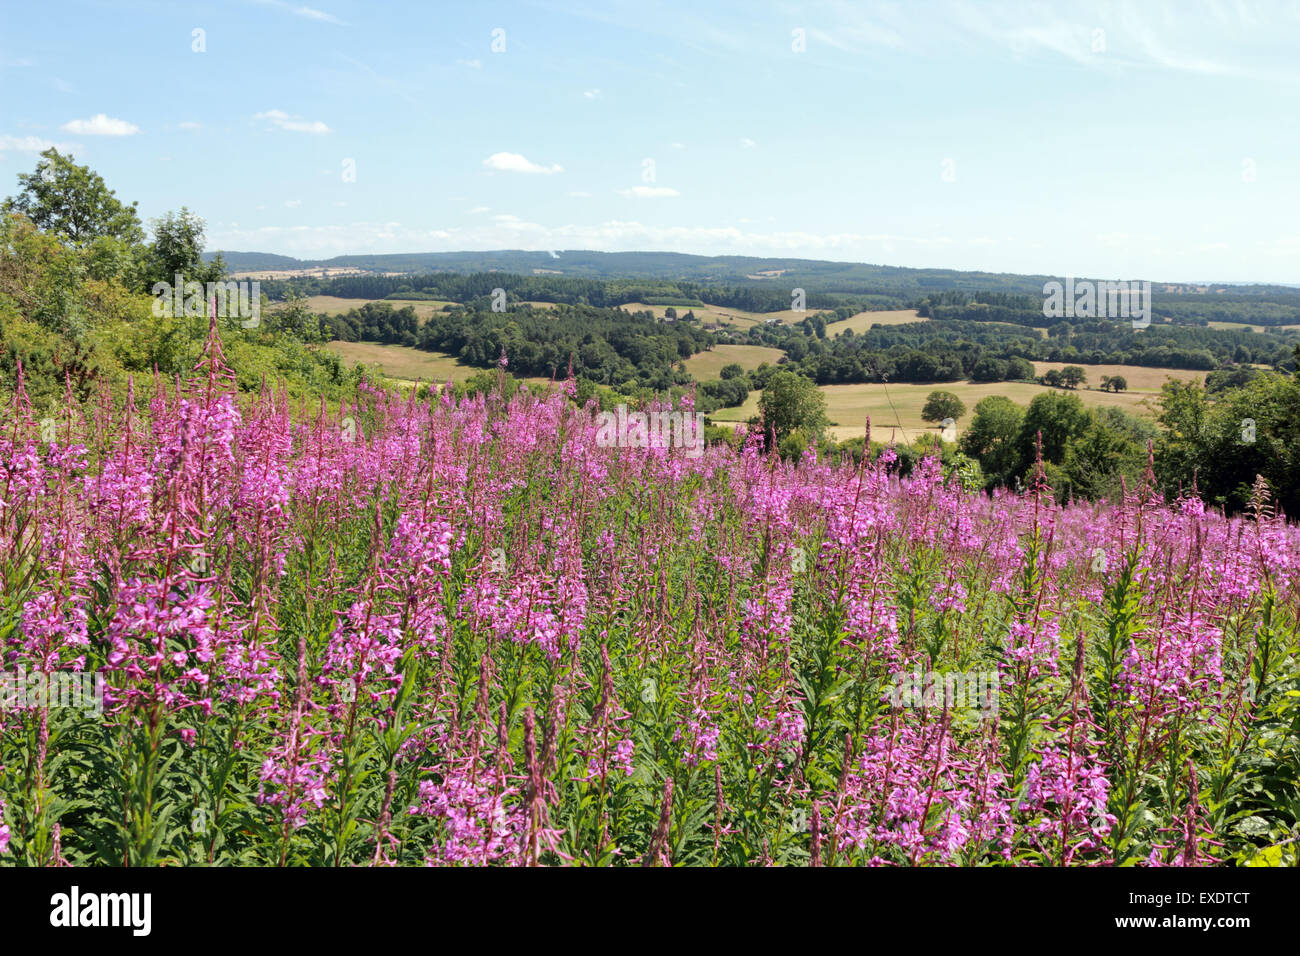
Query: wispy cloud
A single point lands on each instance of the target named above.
(101, 125)
(307, 13)
(515, 163)
(1110, 37)
(591, 94)
(293, 124)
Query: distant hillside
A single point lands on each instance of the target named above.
(812, 274)
(247, 261)
(586, 264)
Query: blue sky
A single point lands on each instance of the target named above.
(1108, 139)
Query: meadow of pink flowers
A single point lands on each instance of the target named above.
(438, 632)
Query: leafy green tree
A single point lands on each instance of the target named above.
(1020, 370)
(1223, 446)
(73, 203)
(178, 248)
(991, 438)
(989, 369)
(1180, 452)
(1097, 459)
(1060, 419)
(940, 405)
(791, 402)
(1052, 378)
(294, 317)
(731, 370)
(1223, 379)
(1072, 376)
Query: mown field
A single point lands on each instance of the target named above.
(1139, 377)
(408, 366)
(895, 410)
(863, 321)
(333, 305)
(734, 318)
(398, 361)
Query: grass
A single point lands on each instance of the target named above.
(398, 361)
(707, 366)
(1139, 377)
(407, 365)
(333, 305)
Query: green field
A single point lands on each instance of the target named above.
(1239, 326)
(707, 366)
(865, 320)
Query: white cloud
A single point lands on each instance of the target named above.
(747, 143)
(293, 203)
(293, 124)
(677, 145)
(649, 192)
(28, 144)
(515, 163)
(101, 125)
(478, 209)
(472, 64)
(591, 94)
(190, 124)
